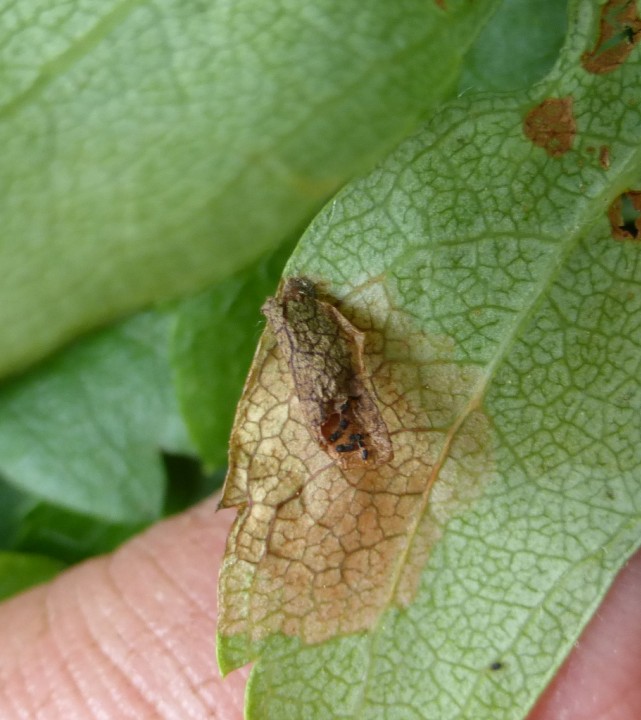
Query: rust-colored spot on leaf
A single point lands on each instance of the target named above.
(551, 125)
(625, 216)
(604, 157)
(323, 546)
(619, 32)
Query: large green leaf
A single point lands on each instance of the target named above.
(85, 430)
(504, 326)
(151, 149)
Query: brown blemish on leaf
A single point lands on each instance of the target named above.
(551, 125)
(324, 352)
(619, 32)
(319, 549)
(604, 157)
(625, 216)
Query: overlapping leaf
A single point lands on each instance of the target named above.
(504, 329)
(85, 430)
(149, 150)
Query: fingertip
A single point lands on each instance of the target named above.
(601, 678)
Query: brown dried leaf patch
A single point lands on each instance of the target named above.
(619, 32)
(551, 125)
(604, 157)
(321, 547)
(324, 352)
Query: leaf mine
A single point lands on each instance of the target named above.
(325, 354)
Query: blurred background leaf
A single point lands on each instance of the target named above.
(20, 571)
(516, 48)
(85, 430)
(151, 150)
(214, 342)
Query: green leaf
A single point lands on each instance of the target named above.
(20, 571)
(188, 482)
(48, 529)
(84, 431)
(212, 348)
(149, 150)
(504, 323)
(14, 506)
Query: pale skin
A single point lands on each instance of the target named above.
(131, 635)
